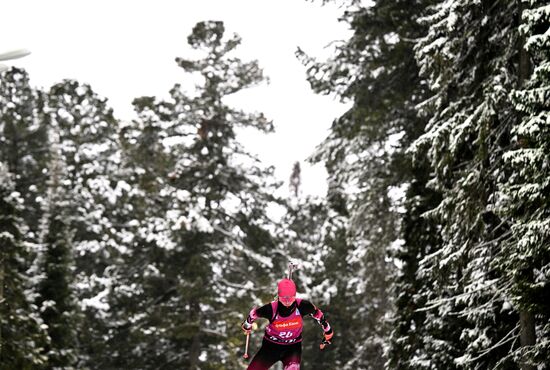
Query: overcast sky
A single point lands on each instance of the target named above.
(126, 49)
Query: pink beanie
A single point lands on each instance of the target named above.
(286, 288)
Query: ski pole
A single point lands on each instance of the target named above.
(245, 356)
(253, 327)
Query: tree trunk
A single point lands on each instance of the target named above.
(527, 333)
(195, 350)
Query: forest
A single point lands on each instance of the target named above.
(143, 244)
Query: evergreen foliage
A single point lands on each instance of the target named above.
(143, 244)
(83, 207)
(193, 276)
(459, 264)
(295, 179)
(470, 60)
(55, 269)
(22, 334)
(23, 141)
(524, 196)
(365, 153)
(315, 234)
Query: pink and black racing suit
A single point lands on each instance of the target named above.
(283, 336)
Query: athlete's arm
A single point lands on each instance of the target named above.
(265, 312)
(308, 308)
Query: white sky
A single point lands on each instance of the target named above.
(126, 49)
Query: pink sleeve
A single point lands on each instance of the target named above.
(318, 314)
(252, 316)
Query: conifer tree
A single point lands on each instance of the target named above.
(365, 152)
(317, 236)
(420, 238)
(56, 298)
(23, 155)
(88, 145)
(22, 335)
(295, 179)
(468, 58)
(208, 222)
(524, 190)
(88, 150)
(312, 233)
(23, 142)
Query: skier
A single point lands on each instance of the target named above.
(283, 336)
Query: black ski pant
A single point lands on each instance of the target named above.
(270, 353)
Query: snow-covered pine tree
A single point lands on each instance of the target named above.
(23, 142)
(86, 131)
(469, 58)
(365, 151)
(55, 267)
(207, 258)
(88, 141)
(142, 278)
(295, 179)
(420, 238)
(229, 186)
(524, 198)
(314, 236)
(22, 334)
(23, 146)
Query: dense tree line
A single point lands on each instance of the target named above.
(450, 105)
(142, 244)
(134, 244)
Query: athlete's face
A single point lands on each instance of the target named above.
(287, 300)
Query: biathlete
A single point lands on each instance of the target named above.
(283, 336)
